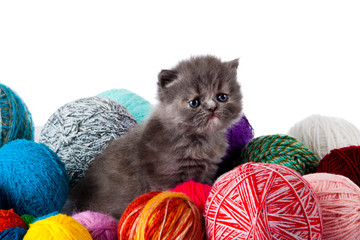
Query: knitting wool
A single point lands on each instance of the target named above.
(339, 199)
(79, 130)
(15, 118)
(9, 219)
(344, 161)
(57, 227)
(135, 104)
(33, 180)
(100, 226)
(280, 149)
(262, 201)
(28, 219)
(15, 233)
(322, 134)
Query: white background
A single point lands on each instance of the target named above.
(297, 58)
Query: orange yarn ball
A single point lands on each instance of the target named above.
(9, 219)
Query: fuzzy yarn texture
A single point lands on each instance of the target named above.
(33, 178)
(139, 107)
(280, 149)
(15, 118)
(322, 134)
(339, 199)
(197, 192)
(57, 227)
(343, 161)
(15, 233)
(99, 225)
(79, 130)
(9, 219)
(167, 215)
(262, 201)
(28, 219)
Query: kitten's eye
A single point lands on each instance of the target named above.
(194, 103)
(222, 97)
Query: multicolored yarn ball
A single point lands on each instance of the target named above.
(79, 130)
(197, 192)
(100, 226)
(339, 199)
(9, 219)
(262, 201)
(15, 233)
(15, 118)
(33, 180)
(168, 215)
(57, 227)
(343, 161)
(136, 105)
(322, 134)
(280, 149)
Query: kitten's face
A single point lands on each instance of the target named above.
(200, 95)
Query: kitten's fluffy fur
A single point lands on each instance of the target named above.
(177, 143)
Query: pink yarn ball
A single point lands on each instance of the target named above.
(100, 226)
(197, 192)
(339, 199)
(262, 201)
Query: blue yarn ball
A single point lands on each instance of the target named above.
(15, 118)
(15, 233)
(33, 180)
(139, 108)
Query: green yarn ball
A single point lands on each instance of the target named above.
(282, 150)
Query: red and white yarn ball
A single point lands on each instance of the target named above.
(262, 201)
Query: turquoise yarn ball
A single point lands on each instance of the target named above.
(139, 108)
(33, 180)
(15, 118)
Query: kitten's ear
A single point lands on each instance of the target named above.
(234, 63)
(166, 77)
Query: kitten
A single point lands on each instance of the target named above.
(183, 139)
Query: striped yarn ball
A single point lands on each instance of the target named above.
(322, 134)
(15, 118)
(15, 233)
(262, 201)
(9, 219)
(339, 199)
(280, 149)
(79, 130)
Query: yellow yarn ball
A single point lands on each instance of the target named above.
(57, 227)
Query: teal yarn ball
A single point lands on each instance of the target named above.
(135, 104)
(282, 150)
(33, 180)
(15, 119)
(15, 233)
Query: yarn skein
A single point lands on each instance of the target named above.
(15, 233)
(322, 134)
(339, 199)
(79, 130)
(344, 161)
(9, 219)
(15, 118)
(280, 149)
(262, 201)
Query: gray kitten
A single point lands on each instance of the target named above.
(183, 139)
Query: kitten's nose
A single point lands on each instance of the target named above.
(211, 106)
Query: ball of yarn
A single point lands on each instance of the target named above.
(15, 118)
(339, 199)
(9, 219)
(33, 180)
(322, 134)
(28, 219)
(262, 201)
(135, 104)
(280, 149)
(79, 130)
(100, 226)
(344, 161)
(57, 227)
(197, 192)
(15, 233)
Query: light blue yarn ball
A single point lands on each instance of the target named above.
(16, 121)
(33, 180)
(139, 108)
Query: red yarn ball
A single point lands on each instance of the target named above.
(343, 161)
(262, 201)
(9, 219)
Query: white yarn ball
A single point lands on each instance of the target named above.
(322, 134)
